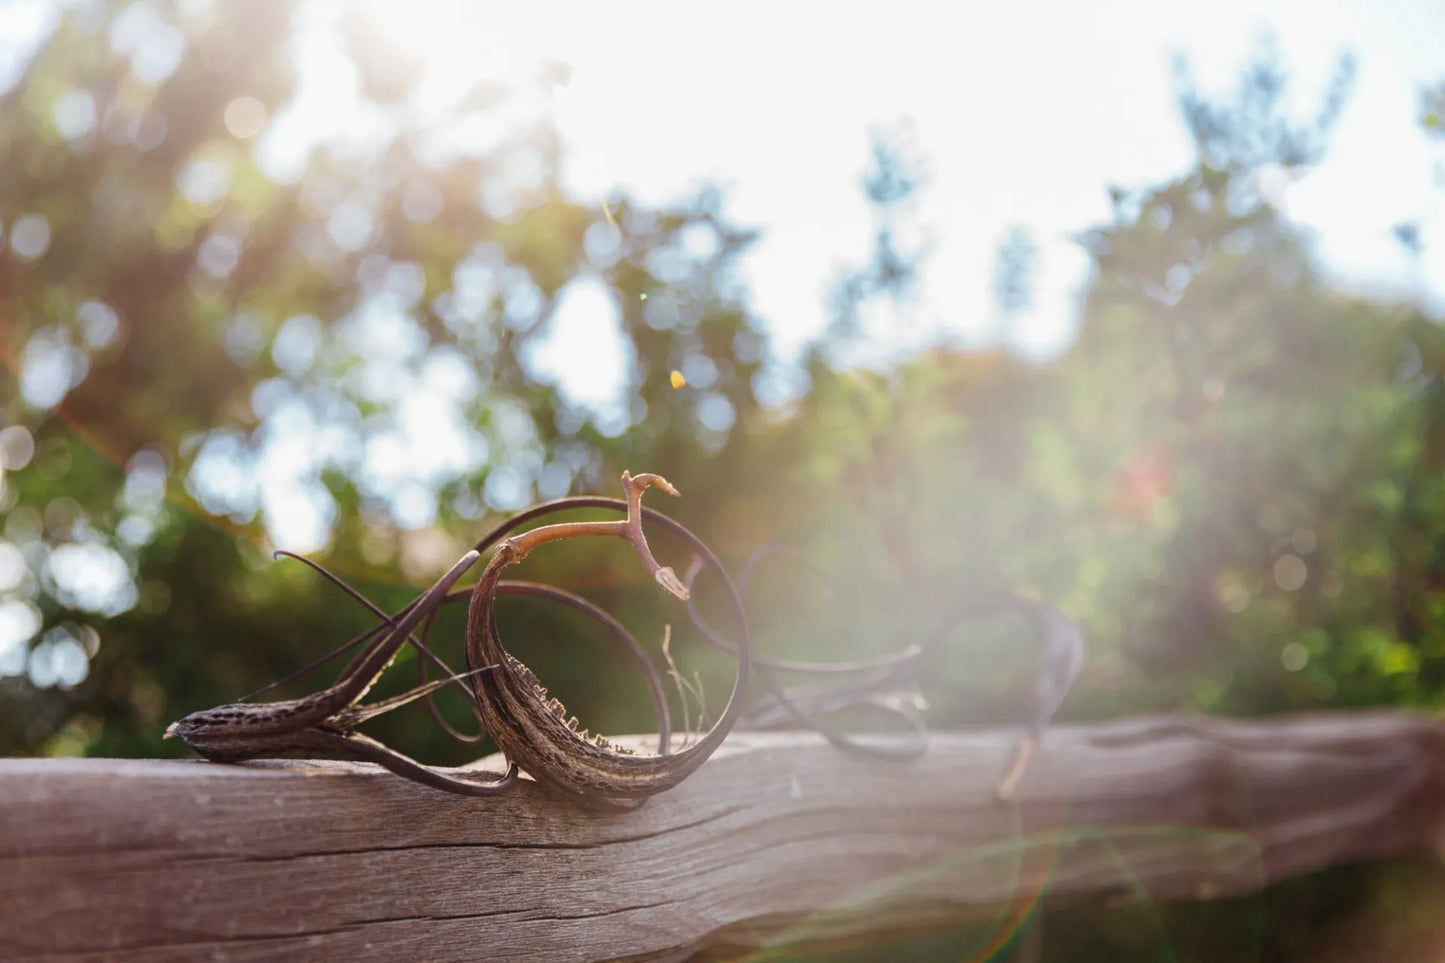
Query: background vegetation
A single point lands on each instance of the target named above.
(1234, 479)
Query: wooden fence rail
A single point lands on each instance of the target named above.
(779, 838)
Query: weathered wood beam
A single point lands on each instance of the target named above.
(778, 838)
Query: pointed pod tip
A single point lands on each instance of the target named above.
(668, 579)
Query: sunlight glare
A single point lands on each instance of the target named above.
(583, 351)
(623, 73)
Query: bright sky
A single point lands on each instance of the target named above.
(1023, 113)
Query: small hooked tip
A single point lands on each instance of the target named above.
(640, 483)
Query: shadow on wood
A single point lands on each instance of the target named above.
(778, 839)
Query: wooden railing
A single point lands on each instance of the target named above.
(779, 839)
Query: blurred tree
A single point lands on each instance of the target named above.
(1276, 424)
(1013, 274)
(891, 186)
(212, 352)
(1231, 480)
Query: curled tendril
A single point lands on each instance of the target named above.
(888, 685)
(427, 688)
(874, 684)
(533, 730)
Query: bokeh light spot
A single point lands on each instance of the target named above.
(1290, 572)
(145, 482)
(204, 182)
(296, 344)
(12, 567)
(19, 621)
(715, 412)
(153, 45)
(50, 366)
(23, 525)
(30, 236)
(74, 115)
(98, 324)
(505, 489)
(244, 117)
(59, 660)
(17, 447)
(583, 351)
(700, 371)
(90, 577)
(1231, 591)
(350, 225)
(134, 530)
(218, 478)
(243, 338)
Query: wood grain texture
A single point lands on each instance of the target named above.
(779, 838)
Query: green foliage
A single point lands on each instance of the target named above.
(1232, 479)
(193, 323)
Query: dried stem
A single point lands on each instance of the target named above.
(628, 529)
